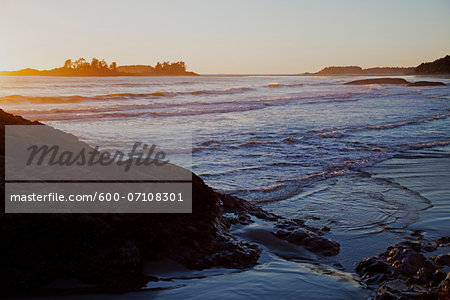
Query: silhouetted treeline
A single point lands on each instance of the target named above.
(340, 70)
(439, 66)
(165, 68)
(81, 67)
(355, 70)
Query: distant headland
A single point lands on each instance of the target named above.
(81, 67)
(96, 67)
(440, 66)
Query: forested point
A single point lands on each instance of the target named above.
(439, 66)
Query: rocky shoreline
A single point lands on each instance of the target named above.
(107, 251)
(404, 272)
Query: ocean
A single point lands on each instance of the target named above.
(370, 162)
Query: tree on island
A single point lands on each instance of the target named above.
(96, 66)
(160, 69)
(68, 64)
(170, 68)
(113, 65)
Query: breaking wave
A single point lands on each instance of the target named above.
(20, 99)
(337, 133)
(280, 85)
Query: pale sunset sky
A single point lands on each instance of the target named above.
(232, 36)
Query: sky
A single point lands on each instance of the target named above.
(227, 37)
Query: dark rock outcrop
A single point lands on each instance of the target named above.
(107, 251)
(10, 119)
(311, 239)
(292, 230)
(426, 83)
(378, 81)
(398, 81)
(403, 272)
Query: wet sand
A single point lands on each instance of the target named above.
(426, 172)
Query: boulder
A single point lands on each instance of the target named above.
(403, 272)
(426, 83)
(378, 81)
(397, 81)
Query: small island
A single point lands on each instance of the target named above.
(81, 67)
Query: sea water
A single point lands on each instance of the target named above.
(370, 162)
